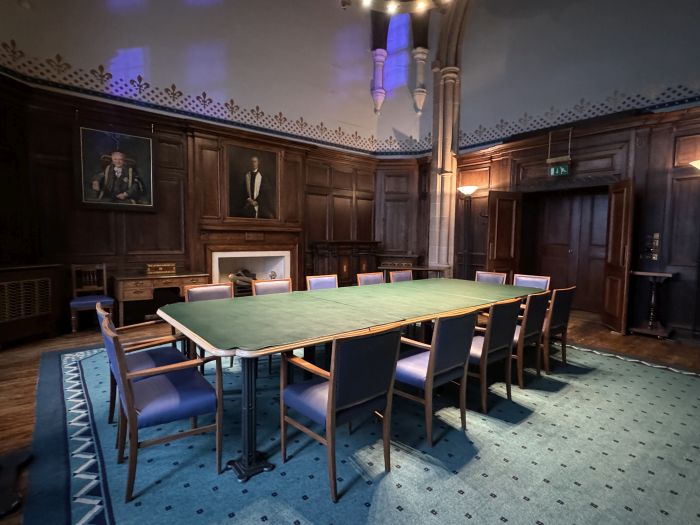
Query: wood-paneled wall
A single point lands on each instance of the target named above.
(653, 150)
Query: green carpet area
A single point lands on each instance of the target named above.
(601, 440)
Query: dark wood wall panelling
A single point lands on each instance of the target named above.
(652, 150)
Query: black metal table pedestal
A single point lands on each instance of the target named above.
(251, 462)
(652, 326)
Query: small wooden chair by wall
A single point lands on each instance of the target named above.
(398, 276)
(364, 279)
(268, 287)
(208, 292)
(89, 288)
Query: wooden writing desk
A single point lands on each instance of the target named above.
(140, 287)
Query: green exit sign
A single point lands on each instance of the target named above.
(559, 170)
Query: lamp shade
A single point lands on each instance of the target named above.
(467, 190)
(695, 164)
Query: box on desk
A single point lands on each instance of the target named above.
(160, 268)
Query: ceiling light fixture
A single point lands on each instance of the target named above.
(392, 7)
(695, 164)
(398, 6)
(467, 190)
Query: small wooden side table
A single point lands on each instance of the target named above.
(652, 326)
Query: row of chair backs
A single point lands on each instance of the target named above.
(352, 381)
(451, 341)
(541, 282)
(533, 320)
(558, 315)
(503, 318)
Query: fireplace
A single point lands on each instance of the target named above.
(265, 264)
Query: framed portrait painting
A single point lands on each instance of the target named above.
(253, 182)
(116, 170)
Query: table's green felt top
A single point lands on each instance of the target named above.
(255, 323)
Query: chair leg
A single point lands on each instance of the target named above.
(563, 347)
(201, 356)
(484, 386)
(386, 437)
(121, 434)
(230, 362)
(112, 397)
(538, 348)
(521, 367)
(429, 417)
(330, 437)
(349, 427)
(269, 365)
(285, 371)
(74, 321)
(509, 369)
(463, 402)
(545, 351)
(133, 456)
(219, 415)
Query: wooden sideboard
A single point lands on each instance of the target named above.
(140, 287)
(345, 258)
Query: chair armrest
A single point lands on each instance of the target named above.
(480, 329)
(128, 327)
(132, 346)
(417, 344)
(192, 363)
(309, 367)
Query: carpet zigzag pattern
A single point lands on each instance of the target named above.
(599, 441)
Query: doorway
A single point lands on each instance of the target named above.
(565, 236)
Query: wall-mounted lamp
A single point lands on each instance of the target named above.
(467, 190)
(695, 164)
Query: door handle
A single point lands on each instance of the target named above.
(571, 252)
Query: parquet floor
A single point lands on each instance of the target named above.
(19, 369)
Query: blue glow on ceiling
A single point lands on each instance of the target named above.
(398, 60)
(202, 3)
(126, 5)
(130, 62)
(206, 69)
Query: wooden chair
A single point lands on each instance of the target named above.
(351, 389)
(398, 276)
(89, 288)
(529, 332)
(268, 287)
(541, 282)
(208, 292)
(159, 395)
(321, 282)
(556, 323)
(491, 277)
(495, 344)
(364, 279)
(441, 362)
(140, 354)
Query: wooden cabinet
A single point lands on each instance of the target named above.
(344, 258)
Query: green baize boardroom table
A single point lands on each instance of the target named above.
(251, 327)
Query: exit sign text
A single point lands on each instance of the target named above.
(559, 170)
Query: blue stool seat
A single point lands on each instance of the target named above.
(88, 302)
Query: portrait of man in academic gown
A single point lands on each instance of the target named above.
(253, 193)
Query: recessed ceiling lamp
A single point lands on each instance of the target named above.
(695, 164)
(398, 6)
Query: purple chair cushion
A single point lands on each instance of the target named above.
(413, 370)
(271, 287)
(531, 281)
(310, 398)
(170, 397)
(153, 357)
(322, 283)
(370, 278)
(88, 302)
(208, 293)
(476, 349)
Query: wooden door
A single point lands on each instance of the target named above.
(505, 212)
(558, 231)
(591, 252)
(617, 255)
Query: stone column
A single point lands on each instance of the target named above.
(378, 91)
(420, 56)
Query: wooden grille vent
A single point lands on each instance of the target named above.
(24, 299)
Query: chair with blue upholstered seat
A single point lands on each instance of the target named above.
(268, 287)
(157, 395)
(490, 277)
(541, 282)
(494, 343)
(360, 382)
(556, 324)
(141, 353)
(321, 282)
(89, 288)
(208, 292)
(529, 332)
(364, 279)
(398, 276)
(443, 361)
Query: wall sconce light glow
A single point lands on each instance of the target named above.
(366, 3)
(467, 190)
(695, 164)
(421, 6)
(392, 7)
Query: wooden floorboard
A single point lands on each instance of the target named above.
(19, 369)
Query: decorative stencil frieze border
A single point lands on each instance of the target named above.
(59, 73)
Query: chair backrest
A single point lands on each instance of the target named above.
(503, 318)
(398, 276)
(89, 279)
(208, 292)
(271, 286)
(491, 277)
(559, 309)
(364, 279)
(117, 360)
(540, 282)
(102, 316)
(321, 282)
(533, 318)
(362, 368)
(452, 339)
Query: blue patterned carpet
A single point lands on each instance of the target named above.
(600, 441)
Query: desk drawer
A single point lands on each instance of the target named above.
(136, 284)
(169, 282)
(186, 281)
(137, 294)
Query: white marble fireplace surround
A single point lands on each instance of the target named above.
(262, 263)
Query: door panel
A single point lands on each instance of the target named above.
(505, 209)
(617, 255)
(591, 250)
